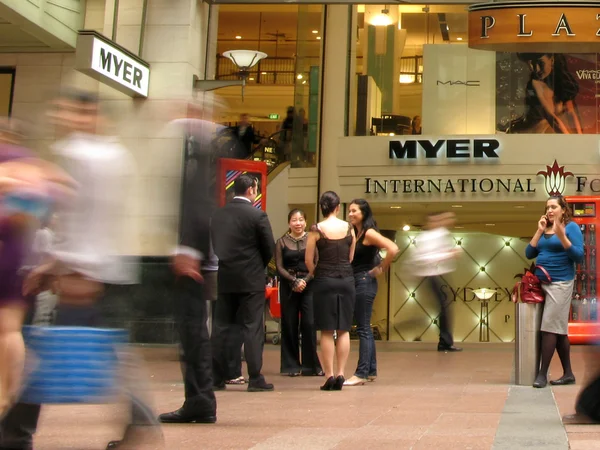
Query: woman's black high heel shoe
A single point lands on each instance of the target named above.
(329, 384)
(339, 383)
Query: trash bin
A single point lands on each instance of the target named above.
(527, 342)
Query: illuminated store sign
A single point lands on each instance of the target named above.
(538, 25)
(111, 64)
(450, 148)
(447, 186)
(555, 178)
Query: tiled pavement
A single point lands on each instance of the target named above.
(422, 400)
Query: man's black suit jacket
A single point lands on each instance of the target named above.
(243, 241)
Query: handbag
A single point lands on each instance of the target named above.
(529, 288)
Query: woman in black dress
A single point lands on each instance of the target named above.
(296, 301)
(332, 287)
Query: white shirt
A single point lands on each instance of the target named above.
(434, 254)
(97, 226)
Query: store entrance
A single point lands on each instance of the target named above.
(492, 236)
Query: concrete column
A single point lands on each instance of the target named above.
(337, 73)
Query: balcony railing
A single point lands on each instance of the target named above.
(273, 70)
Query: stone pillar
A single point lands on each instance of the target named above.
(338, 71)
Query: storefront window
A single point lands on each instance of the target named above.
(390, 63)
(281, 96)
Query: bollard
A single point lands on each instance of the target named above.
(527, 342)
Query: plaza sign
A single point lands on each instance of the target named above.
(535, 26)
(112, 64)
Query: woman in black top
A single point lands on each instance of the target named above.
(332, 287)
(296, 301)
(367, 266)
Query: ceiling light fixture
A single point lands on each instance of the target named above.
(315, 31)
(406, 228)
(318, 38)
(299, 76)
(520, 206)
(490, 224)
(383, 19)
(459, 39)
(238, 37)
(395, 207)
(244, 61)
(457, 206)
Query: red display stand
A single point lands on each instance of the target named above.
(583, 316)
(227, 172)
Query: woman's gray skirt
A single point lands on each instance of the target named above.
(555, 318)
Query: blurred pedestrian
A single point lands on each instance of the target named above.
(435, 256)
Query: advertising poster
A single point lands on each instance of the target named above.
(547, 93)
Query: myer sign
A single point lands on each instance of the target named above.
(112, 64)
(452, 149)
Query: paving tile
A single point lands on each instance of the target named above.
(429, 442)
(421, 400)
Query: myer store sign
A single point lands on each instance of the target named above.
(478, 150)
(112, 64)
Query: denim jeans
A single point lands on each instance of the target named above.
(366, 290)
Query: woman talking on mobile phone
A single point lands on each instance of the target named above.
(557, 246)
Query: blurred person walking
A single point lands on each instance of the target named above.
(27, 187)
(297, 313)
(332, 287)
(556, 246)
(88, 256)
(435, 256)
(367, 266)
(194, 268)
(243, 242)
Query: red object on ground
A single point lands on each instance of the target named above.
(272, 294)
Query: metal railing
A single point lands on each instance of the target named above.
(273, 70)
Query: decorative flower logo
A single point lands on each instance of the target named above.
(555, 178)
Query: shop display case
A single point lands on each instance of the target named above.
(583, 316)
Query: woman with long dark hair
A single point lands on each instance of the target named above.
(332, 287)
(296, 301)
(557, 246)
(549, 97)
(367, 265)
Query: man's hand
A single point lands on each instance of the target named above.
(33, 281)
(187, 266)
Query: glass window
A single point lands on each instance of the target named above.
(282, 90)
(390, 66)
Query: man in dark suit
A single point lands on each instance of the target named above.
(190, 309)
(243, 242)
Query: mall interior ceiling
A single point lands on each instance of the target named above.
(510, 219)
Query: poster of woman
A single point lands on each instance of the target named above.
(546, 93)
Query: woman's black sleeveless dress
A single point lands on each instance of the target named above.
(333, 285)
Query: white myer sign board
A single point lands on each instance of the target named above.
(112, 64)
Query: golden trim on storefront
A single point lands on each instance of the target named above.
(535, 26)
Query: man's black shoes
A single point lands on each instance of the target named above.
(449, 348)
(183, 416)
(260, 386)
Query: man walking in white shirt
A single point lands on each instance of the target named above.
(436, 256)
